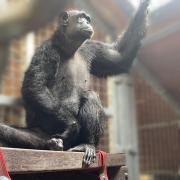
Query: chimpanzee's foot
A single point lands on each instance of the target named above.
(55, 144)
(90, 153)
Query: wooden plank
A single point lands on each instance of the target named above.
(25, 160)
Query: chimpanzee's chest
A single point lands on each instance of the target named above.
(77, 69)
(72, 76)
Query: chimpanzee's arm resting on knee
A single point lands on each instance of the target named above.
(35, 89)
(116, 58)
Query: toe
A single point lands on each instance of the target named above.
(85, 157)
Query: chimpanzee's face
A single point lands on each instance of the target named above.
(79, 25)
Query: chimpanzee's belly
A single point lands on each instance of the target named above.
(78, 68)
(71, 79)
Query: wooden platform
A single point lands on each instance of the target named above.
(28, 164)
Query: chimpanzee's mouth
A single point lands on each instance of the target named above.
(86, 30)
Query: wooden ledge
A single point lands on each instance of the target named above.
(26, 161)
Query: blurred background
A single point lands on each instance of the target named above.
(149, 96)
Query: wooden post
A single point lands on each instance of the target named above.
(125, 123)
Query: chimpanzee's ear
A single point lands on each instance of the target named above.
(64, 17)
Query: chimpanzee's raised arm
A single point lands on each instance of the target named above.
(116, 58)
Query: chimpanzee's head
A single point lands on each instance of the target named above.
(76, 25)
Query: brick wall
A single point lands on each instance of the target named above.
(12, 80)
(158, 131)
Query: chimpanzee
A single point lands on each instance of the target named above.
(61, 111)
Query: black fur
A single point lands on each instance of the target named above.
(58, 102)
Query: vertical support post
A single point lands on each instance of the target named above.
(125, 123)
(30, 47)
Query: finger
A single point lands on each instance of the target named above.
(86, 155)
(60, 145)
(90, 157)
(75, 149)
(70, 150)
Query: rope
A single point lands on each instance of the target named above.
(4, 175)
(103, 164)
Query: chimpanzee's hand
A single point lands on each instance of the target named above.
(55, 144)
(90, 153)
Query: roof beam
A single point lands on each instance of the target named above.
(162, 34)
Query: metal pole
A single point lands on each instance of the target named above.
(125, 115)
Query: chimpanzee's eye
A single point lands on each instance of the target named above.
(88, 19)
(84, 18)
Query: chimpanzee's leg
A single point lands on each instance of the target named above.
(70, 135)
(91, 116)
(25, 138)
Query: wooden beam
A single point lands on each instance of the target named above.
(125, 117)
(27, 161)
(166, 32)
(10, 101)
